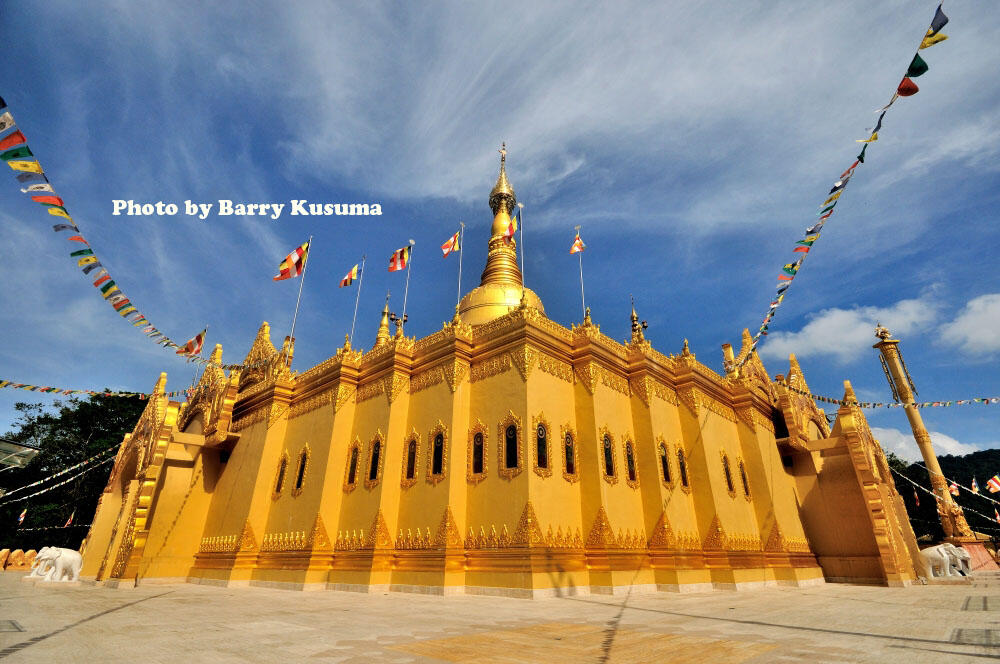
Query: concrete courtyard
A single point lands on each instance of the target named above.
(191, 623)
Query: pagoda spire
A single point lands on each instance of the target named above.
(382, 337)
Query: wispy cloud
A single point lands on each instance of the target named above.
(976, 329)
(902, 444)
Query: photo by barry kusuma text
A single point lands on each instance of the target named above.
(225, 208)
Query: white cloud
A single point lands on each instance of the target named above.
(976, 329)
(846, 334)
(902, 444)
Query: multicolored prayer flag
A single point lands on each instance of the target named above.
(511, 227)
(12, 139)
(194, 345)
(451, 244)
(953, 489)
(350, 276)
(975, 487)
(917, 68)
(37, 187)
(69, 521)
(916, 498)
(6, 121)
(24, 513)
(932, 39)
(938, 22)
(399, 259)
(907, 88)
(26, 166)
(50, 200)
(993, 484)
(578, 245)
(293, 264)
(17, 153)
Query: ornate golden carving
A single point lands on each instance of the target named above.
(454, 371)
(714, 406)
(663, 534)
(775, 541)
(536, 422)
(565, 430)
(470, 476)
(438, 428)
(762, 421)
(404, 481)
(715, 540)
(370, 390)
(591, 373)
(338, 396)
(378, 535)
(491, 367)
(344, 394)
(276, 413)
(380, 439)
(687, 397)
(524, 359)
(247, 540)
(448, 535)
(600, 534)
(256, 415)
(394, 384)
(528, 533)
(510, 419)
(745, 415)
(318, 539)
(302, 470)
(587, 373)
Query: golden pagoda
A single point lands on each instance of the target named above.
(503, 454)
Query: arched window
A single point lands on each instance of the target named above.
(570, 454)
(300, 476)
(411, 459)
(437, 455)
(541, 438)
(374, 461)
(352, 468)
(664, 463)
(510, 447)
(746, 482)
(609, 457)
(478, 466)
(630, 461)
(279, 483)
(728, 474)
(682, 468)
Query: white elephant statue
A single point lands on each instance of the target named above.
(940, 558)
(64, 563)
(964, 560)
(41, 563)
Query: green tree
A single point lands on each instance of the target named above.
(66, 434)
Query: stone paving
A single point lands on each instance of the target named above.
(191, 623)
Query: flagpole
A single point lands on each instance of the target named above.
(583, 300)
(406, 291)
(521, 240)
(305, 266)
(357, 298)
(461, 246)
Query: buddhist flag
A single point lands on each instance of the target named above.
(9, 141)
(993, 484)
(916, 498)
(953, 489)
(917, 67)
(69, 521)
(907, 88)
(996, 515)
(37, 187)
(6, 121)
(975, 487)
(578, 245)
(451, 245)
(350, 277)
(26, 166)
(932, 39)
(48, 200)
(399, 259)
(193, 346)
(17, 153)
(294, 263)
(511, 227)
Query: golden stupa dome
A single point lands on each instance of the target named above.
(501, 287)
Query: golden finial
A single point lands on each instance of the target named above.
(382, 336)
(586, 316)
(347, 342)
(503, 194)
(686, 350)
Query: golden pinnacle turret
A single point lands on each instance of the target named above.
(382, 336)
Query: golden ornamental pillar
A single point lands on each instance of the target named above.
(903, 391)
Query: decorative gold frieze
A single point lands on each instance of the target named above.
(312, 403)
(491, 367)
(745, 415)
(410, 542)
(553, 367)
(591, 373)
(293, 541)
(587, 374)
(371, 390)
(426, 379)
(509, 420)
(256, 415)
(490, 540)
(394, 384)
(602, 536)
(454, 371)
(762, 420)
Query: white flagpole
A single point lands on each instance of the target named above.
(583, 300)
(520, 207)
(406, 291)
(305, 266)
(357, 298)
(461, 246)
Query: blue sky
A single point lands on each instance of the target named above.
(692, 144)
